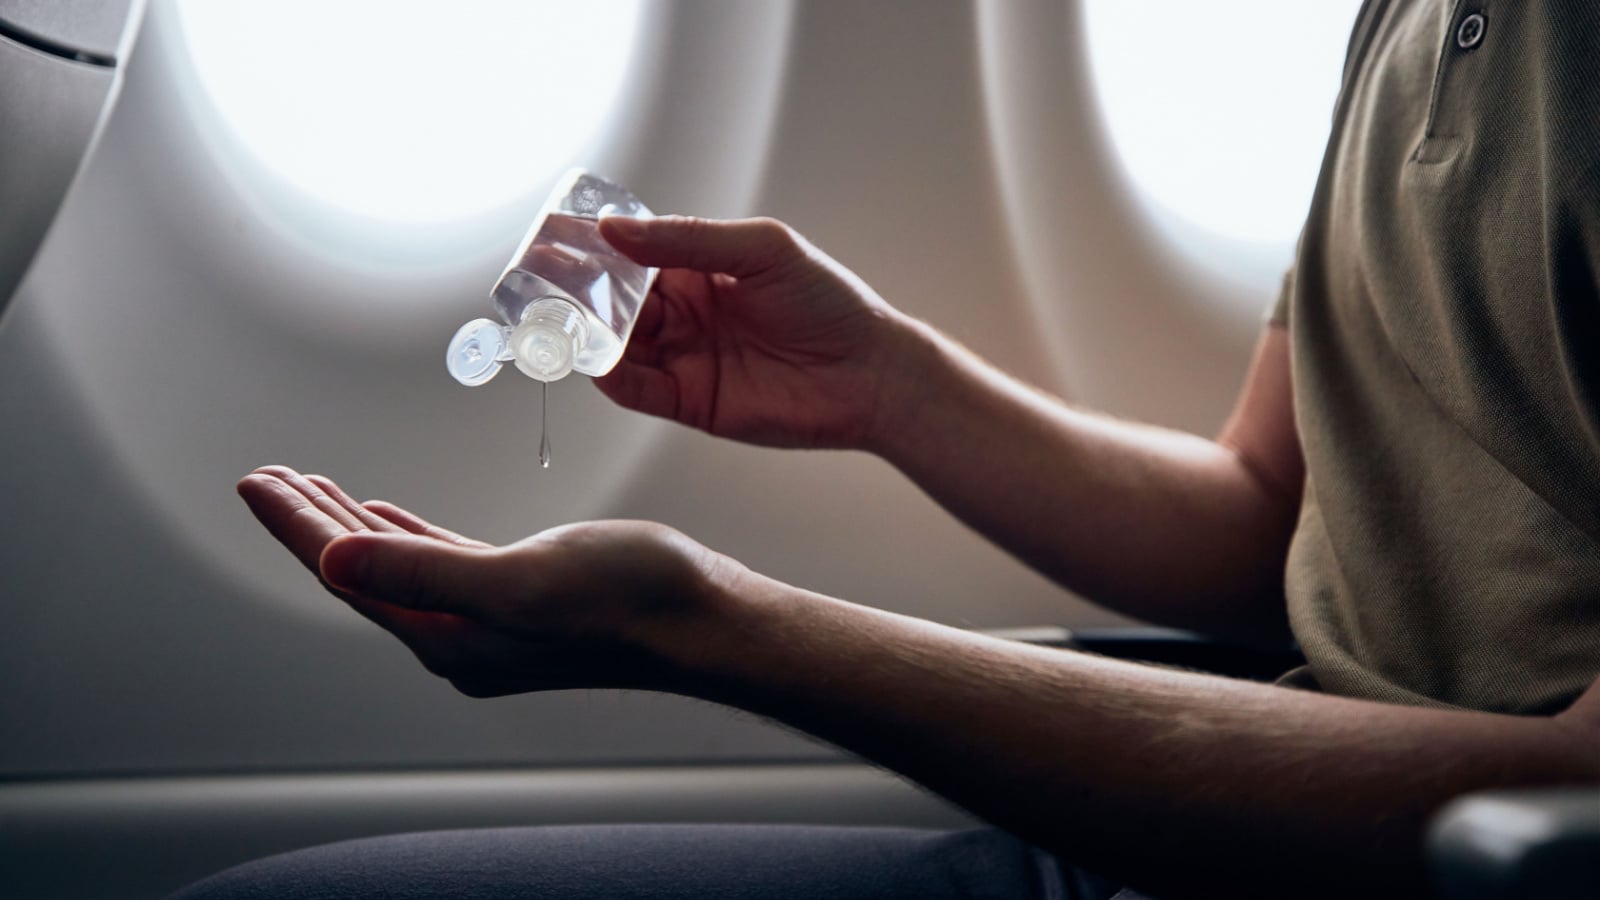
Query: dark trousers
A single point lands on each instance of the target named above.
(663, 862)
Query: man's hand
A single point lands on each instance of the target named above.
(569, 607)
(753, 334)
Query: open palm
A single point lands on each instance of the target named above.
(556, 610)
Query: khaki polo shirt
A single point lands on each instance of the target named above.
(1445, 333)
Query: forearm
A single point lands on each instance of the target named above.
(1162, 525)
(1134, 771)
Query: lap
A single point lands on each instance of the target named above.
(707, 862)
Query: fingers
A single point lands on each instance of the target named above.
(305, 512)
(738, 247)
(419, 572)
(302, 523)
(314, 494)
(409, 597)
(641, 388)
(554, 262)
(405, 520)
(366, 517)
(651, 314)
(670, 316)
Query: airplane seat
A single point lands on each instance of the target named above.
(59, 75)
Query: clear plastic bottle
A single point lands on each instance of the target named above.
(567, 300)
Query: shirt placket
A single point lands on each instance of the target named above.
(1465, 32)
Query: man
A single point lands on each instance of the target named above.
(1407, 485)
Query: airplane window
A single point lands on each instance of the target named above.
(1219, 111)
(408, 112)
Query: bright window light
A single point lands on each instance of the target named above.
(1220, 110)
(410, 111)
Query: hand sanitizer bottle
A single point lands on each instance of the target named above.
(567, 300)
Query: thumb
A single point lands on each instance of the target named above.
(738, 247)
(411, 571)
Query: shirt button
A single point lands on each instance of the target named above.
(1470, 33)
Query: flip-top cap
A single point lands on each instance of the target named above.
(476, 351)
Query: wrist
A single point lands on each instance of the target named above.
(918, 376)
(699, 637)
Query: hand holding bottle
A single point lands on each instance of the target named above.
(753, 334)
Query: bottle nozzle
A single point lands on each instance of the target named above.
(547, 339)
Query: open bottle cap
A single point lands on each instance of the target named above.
(477, 351)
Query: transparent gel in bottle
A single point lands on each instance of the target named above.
(567, 301)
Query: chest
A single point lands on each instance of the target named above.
(1457, 244)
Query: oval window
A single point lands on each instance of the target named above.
(1220, 111)
(409, 112)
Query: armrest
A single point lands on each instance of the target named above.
(1505, 844)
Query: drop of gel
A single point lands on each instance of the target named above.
(544, 428)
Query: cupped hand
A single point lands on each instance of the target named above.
(570, 607)
(753, 334)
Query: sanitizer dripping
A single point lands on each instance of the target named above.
(567, 300)
(544, 428)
